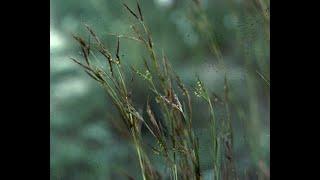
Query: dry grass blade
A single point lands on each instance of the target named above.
(186, 93)
(176, 101)
(138, 34)
(86, 54)
(111, 68)
(117, 52)
(101, 48)
(82, 65)
(172, 104)
(150, 41)
(263, 78)
(85, 48)
(153, 120)
(80, 40)
(93, 34)
(139, 10)
(92, 76)
(134, 14)
(181, 85)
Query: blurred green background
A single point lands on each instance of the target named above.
(85, 143)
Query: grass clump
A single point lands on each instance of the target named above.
(175, 140)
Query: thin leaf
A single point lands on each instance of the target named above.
(264, 78)
(150, 41)
(118, 46)
(92, 76)
(134, 14)
(140, 13)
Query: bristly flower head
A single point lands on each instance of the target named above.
(200, 90)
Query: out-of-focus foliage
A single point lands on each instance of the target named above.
(85, 144)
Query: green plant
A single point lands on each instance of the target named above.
(175, 139)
